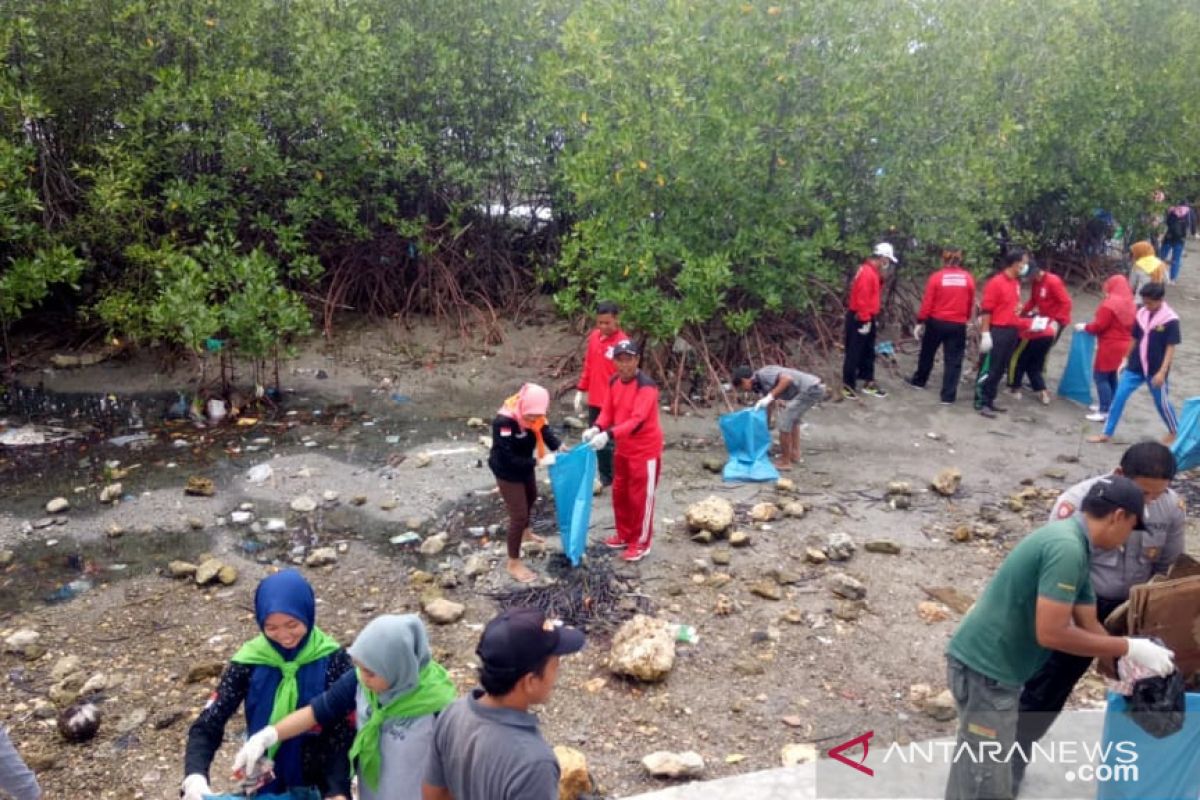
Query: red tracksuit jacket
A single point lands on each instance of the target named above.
(1001, 299)
(630, 416)
(1051, 299)
(949, 296)
(598, 366)
(864, 292)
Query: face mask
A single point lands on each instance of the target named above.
(1024, 271)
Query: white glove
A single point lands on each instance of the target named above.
(253, 750)
(547, 460)
(1054, 326)
(918, 331)
(865, 328)
(764, 401)
(1039, 324)
(1080, 326)
(599, 441)
(985, 342)
(1151, 656)
(579, 399)
(195, 787)
(589, 433)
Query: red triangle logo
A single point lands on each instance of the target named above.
(864, 740)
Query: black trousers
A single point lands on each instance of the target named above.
(995, 364)
(604, 458)
(1030, 361)
(1045, 694)
(952, 338)
(859, 362)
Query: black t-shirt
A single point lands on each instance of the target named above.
(514, 449)
(1160, 337)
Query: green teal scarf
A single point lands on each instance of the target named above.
(434, 692)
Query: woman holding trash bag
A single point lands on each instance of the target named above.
(1156, 334)
(1113, 328)
(283, 668)
(395, 692)
(521, 440)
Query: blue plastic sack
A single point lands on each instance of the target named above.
(1167, 767)
(571, 476)
(1076, 382)
(1187, 440)
(747, 440)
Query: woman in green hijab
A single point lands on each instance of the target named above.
(395, 692)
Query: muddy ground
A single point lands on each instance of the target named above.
(358, 421)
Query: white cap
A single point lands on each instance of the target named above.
(884, 249)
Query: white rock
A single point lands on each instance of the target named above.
(260, 473)
(67, 665)
(57, 505)
(110, 493)
(643, 648)
(330, 496)
(304, 504)
(22, 639)
(713, 514)
(321, 556)
(664, 764)
(96, 683)
(443, 611)
(433, 545)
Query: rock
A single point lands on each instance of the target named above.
(64, 693)
(784, 576)
(227, 575)
(764, 512)
(419, 577)
(434, 544)
(476, 422)
(573, 779)
(767, 589)
(721, 557)
(388, 503)
(947, 481)
(899, 487)
(839, 547)
(931, 612)
(1016, 503)
(132, 721)
(207, 571)
(703, 537)
(713, 514)
(952, 597)
(195, 523)
(962, 533)
(44, 522)
(58, 505)
(7, 557)
(900, 502)
(940, 706)
(664, 764)
(785, 485)
(110, 493)
(200, 487)
(793, 754)
(181, 569)
(749, 667)
(724, 606)
(739, 539)
(884, 546)
(304, 504)
(843, 585)
(574, 423)
(448, 579)
(167, 718)
(477, 565)
(64, 668)
(643, 648)
(1056, 473)
(443, 611)
(321, 557)
(79, 723)
(17, 642)
(794, 508)
(849, 610)
(358, 500)
(96, 683)
(422, 460)
(814, 556)
(329, 496)
(794, 616)
(713, 464)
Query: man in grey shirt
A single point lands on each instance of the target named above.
(1113, 572)
(486, 746)
(792, 392)
(16, 779)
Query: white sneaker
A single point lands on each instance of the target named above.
(1094, 407)
(1096, 416)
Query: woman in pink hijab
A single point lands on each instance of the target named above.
(521, 441)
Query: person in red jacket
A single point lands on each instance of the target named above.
(1000, 327)
(1113, 328)
(942, 322)
(630, 418)
(597, 372)
(1048, 298)
(862, 314)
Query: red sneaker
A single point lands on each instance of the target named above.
(616, 543)
(635, 553)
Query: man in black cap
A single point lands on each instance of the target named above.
(1041, 599)
(486, 746)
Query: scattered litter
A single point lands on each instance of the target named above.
(260, 473)
(392, 439)
(410, 537)
(132, 439)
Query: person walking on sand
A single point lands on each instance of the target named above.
(521, 441)
(942, 322)
(862, 318)
(630, 418)
(1156, 334)
(1112, 326)
(1000, 327)
(791, 391)
(597, 371)
(1177, 219)
(1048, 298)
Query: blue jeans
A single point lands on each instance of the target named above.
(1172, 252)
(1106, 387)
(1128, 384)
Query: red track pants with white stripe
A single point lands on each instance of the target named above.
(635, 481)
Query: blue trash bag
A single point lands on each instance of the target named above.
(747, 440)
(1141, 766)
(571, 476)
(1187, 440)
(1076, 382)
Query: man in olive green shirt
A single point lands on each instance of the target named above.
(1040, 599)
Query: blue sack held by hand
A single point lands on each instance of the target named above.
(1076, 383)
(1186, 448)
(571, 477)
(747, 440)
